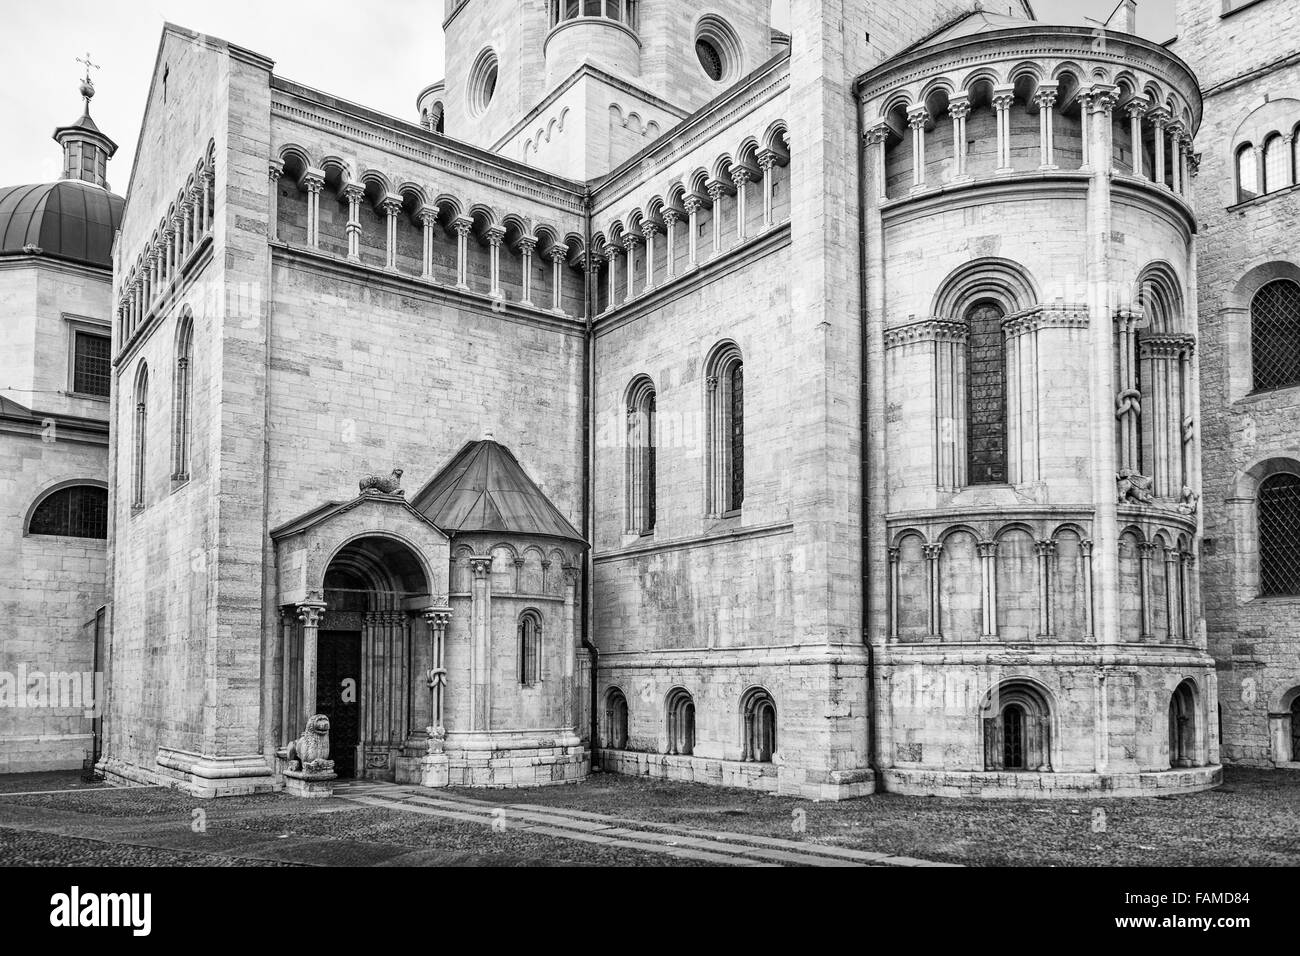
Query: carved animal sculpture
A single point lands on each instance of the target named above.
(383, 486)
(1134, 487)
(310, 752)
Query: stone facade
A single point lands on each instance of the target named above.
(866, 376)
(1252, 101)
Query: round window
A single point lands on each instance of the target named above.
(482, 82)
(710, 59)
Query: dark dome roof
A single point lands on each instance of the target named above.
(66, 220)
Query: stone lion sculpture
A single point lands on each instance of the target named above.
(310, 752)
(1134, 487)
(384, 486)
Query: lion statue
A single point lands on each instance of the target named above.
(383, 486)
(1134, 487)
(310, 752)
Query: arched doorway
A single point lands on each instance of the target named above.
(368, 655)
(1018, 728)
(1182, 726)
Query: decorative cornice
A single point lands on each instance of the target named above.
(926, 330)
(1057, 316)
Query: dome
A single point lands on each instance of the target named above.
(68, 220)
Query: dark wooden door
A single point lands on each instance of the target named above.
(338, 695)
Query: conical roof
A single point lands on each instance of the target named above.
(484, 488)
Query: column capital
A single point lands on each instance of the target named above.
(629, 241)
(558, 253)
(481, 565)
(1045, 548)
(462, 226)
(527, 245)
(495, 236)
(932, 552)
(895, 554)
(309, 613)
(312, 182)
(959, 108)
(1085, 547)
(917, 117)
(1159, 116)
(649, 230)
(692, 203)
(1102, 97)
(391, 205)
(427, 216)
(1003, 97)
(767, 159)
(1136, 106)
(987, 549)
(670, 217)
(612, 251)
(716, 188)
(1045, 97)
(739, 175)
(437, 617)
(876, 135)
(275, 169)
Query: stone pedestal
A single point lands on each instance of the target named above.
(309, 785)
(435, 771)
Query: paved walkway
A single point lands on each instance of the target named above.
(712, 846)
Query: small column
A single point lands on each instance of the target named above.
(629, 244)
(1176, 157)
(1145, 550)
(480, 655)
(196, 215)
(1184, 164)
(1085, 551)
(187, 226)
(988, 551)
(895, 582)
(275, 169)
(437, 618)
(648, 230)
(740, 177)
(207, 199)
(612, 252)
(1045, 550)
(568, 634)
(1085, 110)
(559, 254)
(958, 110)
(309, 613)
(354, 194)
(1188, 594)
(1159, 118)
(527, 246)
(391, 208)
(428, 218)
(767, 163)
(670, 253)
(934, 613)
(314, 186)
(715, 197)
(1135, 109)
(692, 204)
(917, 119)
(1173, 595)
(1002, 101)
(463, 228)
(168, 254)
(874, 141)
(1046, 100)
(495, 236)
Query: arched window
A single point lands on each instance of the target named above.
(1275, 335)
(1295, 728)
(681, 723)
(759, 712)
(1017, 729)
(78, 511)
(182, 390)
(615, 720)
(1278, 519)
(1277, 163)
(530, 648)
(1182, 726)
(139, 436)
(1247, 173)
(986, 395)
(726, 421)
(642, 474)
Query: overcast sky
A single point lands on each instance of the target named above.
(380, 54)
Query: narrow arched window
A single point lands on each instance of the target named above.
(1295, 729)
(140, 437)
(80, 511)
(615, 720)
(1278, 520)
(759, 713)
(986, 396)
(681, 723)
(726, 424)
(182, 392)
(642, 473)
(530, 648)
(1182, 727)
(1013, 737)
(1247, 173)
(1277, 164)
(1275, 335)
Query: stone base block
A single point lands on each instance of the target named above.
(1048, 786)
(767, 777)
(311, 786)
(435, 770)
(517, 767)
(202, 776)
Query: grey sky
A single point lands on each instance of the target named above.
(379, 54)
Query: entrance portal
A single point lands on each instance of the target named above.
(338, 696)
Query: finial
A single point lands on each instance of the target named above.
(487, 435)
(87, 85)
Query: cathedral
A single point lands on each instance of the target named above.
(908, 401)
